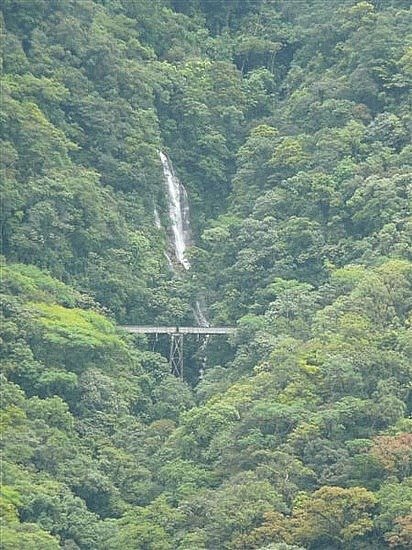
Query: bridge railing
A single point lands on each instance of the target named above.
(141, 329)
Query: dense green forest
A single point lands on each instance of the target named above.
(289, 122)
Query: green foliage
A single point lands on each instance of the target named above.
(289, 124)
(87, 384)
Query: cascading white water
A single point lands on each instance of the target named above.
(158, 223)
(200, 315)
(178, 211)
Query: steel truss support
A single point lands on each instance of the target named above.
(176, 354)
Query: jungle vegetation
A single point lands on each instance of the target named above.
(289, 123)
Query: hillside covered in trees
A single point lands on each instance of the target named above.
(289, 122)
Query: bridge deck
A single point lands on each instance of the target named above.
(140, 329)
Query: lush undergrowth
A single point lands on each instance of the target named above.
(289, 123)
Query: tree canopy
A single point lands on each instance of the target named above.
(289, 124)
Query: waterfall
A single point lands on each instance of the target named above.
(201, 320)
(158, 223)
(200, 316)
(178, 211)
(179, 214)
(203, 357)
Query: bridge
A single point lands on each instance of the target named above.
(141, 329)
(176, 341)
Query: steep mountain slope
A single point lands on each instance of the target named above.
(290, 125)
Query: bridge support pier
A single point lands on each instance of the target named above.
(176, 354)
(176, 341)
